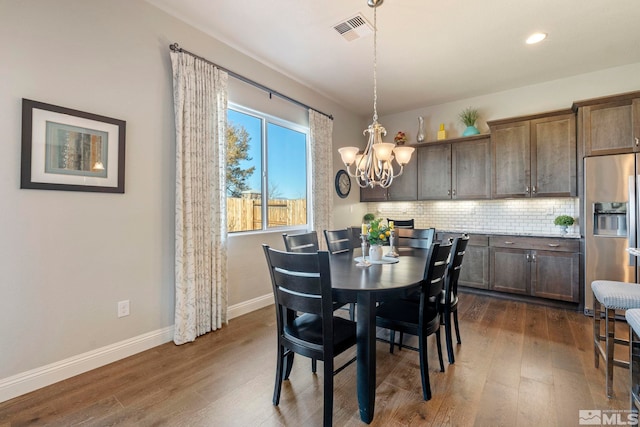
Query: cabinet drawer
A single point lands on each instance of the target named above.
(535, 243)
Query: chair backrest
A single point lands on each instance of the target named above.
(338, 241)
(304, 242)
(301, 283)
(458, 250)
(435, 273)
(356, 242)
(421, 238)
(402, 223)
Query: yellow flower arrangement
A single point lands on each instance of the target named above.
(378, 232)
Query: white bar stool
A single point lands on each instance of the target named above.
(633, 319)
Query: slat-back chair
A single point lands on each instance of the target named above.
(402, 223)
(421, 318)
(303, 242)
(302, 284)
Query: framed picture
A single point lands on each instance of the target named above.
(65, 149)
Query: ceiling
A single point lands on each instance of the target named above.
(429, 52)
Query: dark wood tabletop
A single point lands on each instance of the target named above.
(366, 286)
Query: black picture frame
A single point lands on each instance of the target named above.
(71, 150)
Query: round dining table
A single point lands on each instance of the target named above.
(366, 286)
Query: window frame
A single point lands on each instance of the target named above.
(266, 119)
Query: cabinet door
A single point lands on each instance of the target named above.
(608, 128)
(555, 275)
(553, 156)
(475, 268)
(434, 172)
(375, 194)
(511, 160)
(405, 187)
(471, 170)
(510, 270)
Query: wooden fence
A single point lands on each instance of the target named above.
(245, 214)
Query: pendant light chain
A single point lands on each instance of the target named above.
(375, 64)
(374, 167)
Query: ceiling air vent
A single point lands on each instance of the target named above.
(354, 28)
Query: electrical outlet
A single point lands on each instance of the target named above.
(123, 308)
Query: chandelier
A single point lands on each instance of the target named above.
(374, 166)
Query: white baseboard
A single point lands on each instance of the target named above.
(43, 376)
(245, 307)
(46, 375)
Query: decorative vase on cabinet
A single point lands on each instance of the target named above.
(470, 130)
(420, 135)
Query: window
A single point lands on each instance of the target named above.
(267, 171)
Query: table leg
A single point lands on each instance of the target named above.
(366, 355)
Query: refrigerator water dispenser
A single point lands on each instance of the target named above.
(610, 219)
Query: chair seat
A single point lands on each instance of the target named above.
(308, 327)
(616, 295)
(405, 313)
(633, 319)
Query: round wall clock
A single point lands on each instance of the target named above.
(343, 183)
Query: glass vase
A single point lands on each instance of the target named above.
(420, 134)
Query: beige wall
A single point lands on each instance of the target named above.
(59, 285)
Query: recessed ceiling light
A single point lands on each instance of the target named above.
(536, 38)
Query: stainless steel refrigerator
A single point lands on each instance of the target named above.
(611, 186)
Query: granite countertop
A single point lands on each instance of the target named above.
(506, 233)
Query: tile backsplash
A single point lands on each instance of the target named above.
(528, 216)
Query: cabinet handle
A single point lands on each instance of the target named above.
(528, 258)
(637, 141)
(533, 189)
(454, 193)
(526, 191)
(533, 257)
(508, 243)
(554, 245)
(448, 192)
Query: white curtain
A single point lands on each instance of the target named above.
(321, 129)
(200, 104)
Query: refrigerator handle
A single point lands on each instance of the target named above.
(631, 216)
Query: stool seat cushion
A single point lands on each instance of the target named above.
(633, 319)
(616, 295)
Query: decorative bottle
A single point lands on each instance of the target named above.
(442, 134)
(420, 135)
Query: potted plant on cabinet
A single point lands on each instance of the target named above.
(468, 117)
(564, 221)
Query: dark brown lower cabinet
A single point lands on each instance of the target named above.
(475, 264)
(539, 267)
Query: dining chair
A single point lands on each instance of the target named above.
(303, 242)
(420, 238)
(306, 325)
(402, 223)
(421, 318)
(339, 242)
(449, 300)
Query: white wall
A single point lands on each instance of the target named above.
(548, 96)
(67, 258)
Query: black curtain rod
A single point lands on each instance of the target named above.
(174, 47)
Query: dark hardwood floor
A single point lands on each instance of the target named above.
(519, 365)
